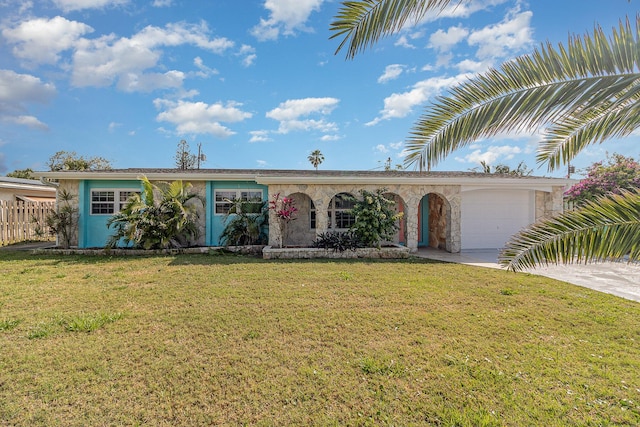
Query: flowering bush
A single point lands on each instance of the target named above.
(286, 211)
(375, 218)
(617, 174)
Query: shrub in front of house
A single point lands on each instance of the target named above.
(163, 216)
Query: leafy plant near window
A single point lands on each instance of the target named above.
(63, 222)
(245, 223)
(375, 218)
(163, 216)
(285, 211)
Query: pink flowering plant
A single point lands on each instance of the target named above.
(617, 174)
(285, 210)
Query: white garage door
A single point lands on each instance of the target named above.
(490, 217)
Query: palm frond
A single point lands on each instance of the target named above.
(595, 126)
(363, 22)
(605, 229)
(552, 85)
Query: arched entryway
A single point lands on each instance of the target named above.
(399, 207)
(302, 231)
(434, 222)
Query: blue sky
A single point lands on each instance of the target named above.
(256, 82)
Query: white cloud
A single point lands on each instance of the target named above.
(42, 40)
(291, 112)
(330, 137)
(470, 66)
(162, 3)
(248, 54)
(403, 41)
(380, 148)
(396, 145)
(102, 61)
(262, 163)
(18, 90)
(492, 155)
(295, 108)
(260, 136)
(28, 121)
(462, 9)
(512, 34)
(391, 72)
(69, 5)
(204, 70)
(285, 17)
(113, 126)
(443, 41)
(199, 117)
(400, 105)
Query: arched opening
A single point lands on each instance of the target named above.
(434, 222)
(302, 231)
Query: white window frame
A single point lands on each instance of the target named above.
(116, 204)
(333, 213)
(222, 207)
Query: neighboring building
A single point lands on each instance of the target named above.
(27, 190)
(448, 210)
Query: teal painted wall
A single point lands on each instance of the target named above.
(215, 222)
(92, 229)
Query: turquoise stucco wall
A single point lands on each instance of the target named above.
(215, 222)
(92, 229)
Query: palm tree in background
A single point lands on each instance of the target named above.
(580, 94)
(316, 157)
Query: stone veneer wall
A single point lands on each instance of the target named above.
(200, 188)
(72, 186)
(548, 204)
(438, 224)
(321, 194)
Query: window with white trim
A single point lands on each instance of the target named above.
(109, 202)
(339, 212)
(223, 199)
(312, 216)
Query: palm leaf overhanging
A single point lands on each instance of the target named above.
(579, 95)
(576, 96)
(363, 22)
(604, 229)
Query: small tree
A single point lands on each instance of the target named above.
(184, 158)
(70, 160)
(21, 173)
(162, 216)
(617, 174)
(316, 158)
(245, 223)
(285, 211)
(375, 218)
(521, 170)
(63, 222)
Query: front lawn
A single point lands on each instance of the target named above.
(224, 340)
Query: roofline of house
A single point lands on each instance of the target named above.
(35, 186)
(266, 177)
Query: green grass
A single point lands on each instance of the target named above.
(225, 340)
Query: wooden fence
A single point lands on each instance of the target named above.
(19, 221)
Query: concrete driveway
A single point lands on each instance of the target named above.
(619, 279)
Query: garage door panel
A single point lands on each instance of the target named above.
(490, 218)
